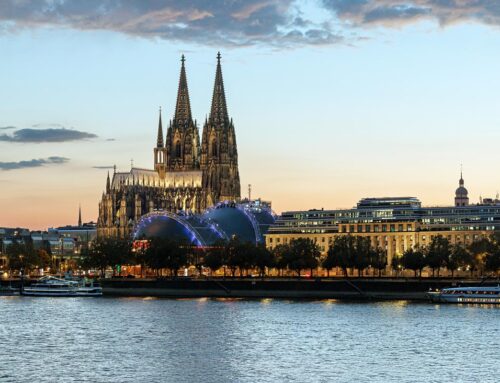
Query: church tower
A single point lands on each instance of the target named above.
(183, 141)
(461, 194)
(160, 152)
(219, 155)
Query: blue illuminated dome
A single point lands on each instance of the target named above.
(173, 226)
(247, 221)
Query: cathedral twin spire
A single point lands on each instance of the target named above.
(216, 156)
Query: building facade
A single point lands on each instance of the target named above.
(189, 175)
(393, 224)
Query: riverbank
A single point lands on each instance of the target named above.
(342, 289)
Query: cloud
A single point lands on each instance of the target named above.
(103, 167)
(46, 135)
(277, 23)
(213, 22)
(7, 127)
(33, 163)
(402, 12)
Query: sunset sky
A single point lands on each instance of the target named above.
(332, 100)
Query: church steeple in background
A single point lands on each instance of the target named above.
(79, 215)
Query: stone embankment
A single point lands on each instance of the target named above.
(342, 289)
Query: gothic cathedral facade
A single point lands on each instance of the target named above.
(188, 176)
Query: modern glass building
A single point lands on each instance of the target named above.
(394, 224)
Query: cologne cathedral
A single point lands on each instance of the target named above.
(188, 176)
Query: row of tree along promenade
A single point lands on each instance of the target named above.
(349, 256)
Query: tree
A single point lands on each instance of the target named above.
(263, 259)
(342, 252)
(493, 262)
(459, 258)
(479, 249)
(361, 259)
(438, 251)
(108, 252)
(280, 257)
(303, 254)
(330, 261)
(378, 259)
(214, 258)
(233, 255)
(168, 254)
(413, 260)
(21, 255)
(397, 264)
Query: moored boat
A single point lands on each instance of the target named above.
(55, 287)
(478, 294)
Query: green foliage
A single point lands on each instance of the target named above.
(493, 261)
(378, 259)
(302, 253)
(215, 257)
(168, 254)
(22, 255)
(262, 259)
(341, 253)
(413, 260)
(280, 257)
(438, 252)
(459, 257)
(108, 252)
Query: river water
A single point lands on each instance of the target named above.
(200, 340)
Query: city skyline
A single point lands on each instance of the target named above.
(382, 108)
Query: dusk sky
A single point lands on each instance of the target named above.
(332, 100)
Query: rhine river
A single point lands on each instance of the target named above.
(199, 340)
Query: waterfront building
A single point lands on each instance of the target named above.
(394, 224)
(188, 175)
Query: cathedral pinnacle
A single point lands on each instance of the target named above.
(79, 215)
(218, 111)
(183, 106)
(159, 142)
(108, 184)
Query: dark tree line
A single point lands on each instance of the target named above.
(355, 253)
(480, 256)
(24, 256)
(351, 254)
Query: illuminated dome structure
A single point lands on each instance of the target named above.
(248, 221)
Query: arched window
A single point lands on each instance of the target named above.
(178, 149)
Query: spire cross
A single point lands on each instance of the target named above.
(218, 56)
(131, 163)
(183, 59)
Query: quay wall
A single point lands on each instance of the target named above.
(346, 289)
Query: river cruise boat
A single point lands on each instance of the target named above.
(480, 294)
(56, 287)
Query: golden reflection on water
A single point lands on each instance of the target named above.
(266, 301)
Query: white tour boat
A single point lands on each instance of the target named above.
(479, 294)
(56, 287)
